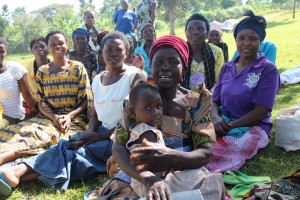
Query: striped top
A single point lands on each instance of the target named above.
(61, 92)
(10, 94)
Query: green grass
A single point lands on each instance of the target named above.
(271, 161)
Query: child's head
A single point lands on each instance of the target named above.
(215, 33)
(145, 104)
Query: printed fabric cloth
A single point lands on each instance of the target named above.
(232, 152)
(58, 92)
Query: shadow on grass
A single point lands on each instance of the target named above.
(284, 22)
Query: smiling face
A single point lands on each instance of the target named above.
(114, 53)
(148, 34)
(247, 43)
(80, 41)
(57, 46)
(214, 37)
(89, 18)
(196, 32)
(148, 107)
(3, 51)
(40, 49)
(166, 68)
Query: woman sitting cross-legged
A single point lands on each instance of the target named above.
(62, 90)
(85, 154)
(243, 99)
(186, 126)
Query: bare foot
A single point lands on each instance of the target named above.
(9, 176)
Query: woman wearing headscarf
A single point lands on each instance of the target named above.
(82, 53)
(243, 99)
(215, 37)
(186, 127)
(146, 12)
(205, 59)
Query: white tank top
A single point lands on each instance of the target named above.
(108, 99)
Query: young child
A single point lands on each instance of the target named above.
(146, 108)
(215, 37)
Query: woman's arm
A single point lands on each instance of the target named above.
(251, 118)
(26, 91)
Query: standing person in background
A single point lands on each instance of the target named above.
(148, 34)
(146, 12)
(89, 19)
(215, 37)
(205, 59)
(268, 48)
(13, 85)
(125, 19)
(82, 54)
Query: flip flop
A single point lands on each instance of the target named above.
(5, 189)
(235, 177)
(30, 151)
(239, 191)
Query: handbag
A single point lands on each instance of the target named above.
(287, 133)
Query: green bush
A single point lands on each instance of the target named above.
(159, 25)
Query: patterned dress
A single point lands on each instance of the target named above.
(144, 16)
(60, 93)
(91, 65)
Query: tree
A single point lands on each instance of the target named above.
(174, 9)
(18, 11)
(279, 2)
(4, 20)
(228, 3)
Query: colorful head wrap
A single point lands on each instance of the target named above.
(173, 42)
(253, 22)
(81, 31)
(100, 36)
(215, 26)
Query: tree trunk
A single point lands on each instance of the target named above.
(171, 19)
(294, 9)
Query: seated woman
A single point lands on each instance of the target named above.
(186, 126)
(85, 154)
(205, 59)
(215, 37)
(13, 85)
(82, 54)
(62, 90)
(243, 99)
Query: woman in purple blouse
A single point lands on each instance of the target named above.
(243, 99)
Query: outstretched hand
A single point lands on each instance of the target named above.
(152, 157)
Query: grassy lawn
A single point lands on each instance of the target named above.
(271, 161)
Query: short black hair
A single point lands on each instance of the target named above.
(36, 39)
(198, 16)
(55, 32)
(135, 92)
(3, 41)
(147, 25)
(88, 11)
(115, 35)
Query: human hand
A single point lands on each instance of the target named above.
(138, 61)
(86, 139)
(157, 189)
(57, 122)
(65, 121)
(152, 157)
(221, 126)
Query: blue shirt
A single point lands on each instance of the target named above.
(125, 21)
(142, 52)
(268, 48)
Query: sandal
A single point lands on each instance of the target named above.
(5, 189)
(30, 151)
(240, 191)
(235, 177)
